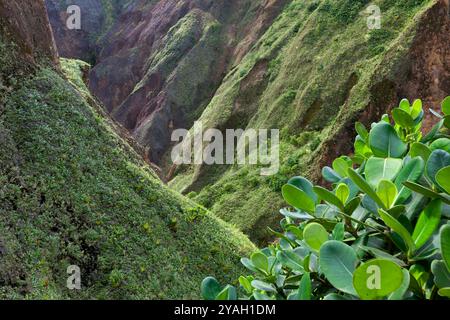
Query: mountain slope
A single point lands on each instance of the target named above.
(316, 71)
(73, 192)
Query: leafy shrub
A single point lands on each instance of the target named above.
(381, 233)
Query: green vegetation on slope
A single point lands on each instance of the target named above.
(72, 192)
(381, 232)
(320, 64)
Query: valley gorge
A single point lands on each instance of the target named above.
(86, 119)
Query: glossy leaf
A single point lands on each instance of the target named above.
(338, 262)
(340, 166)
(315, 235)
(260, 261)
(362, 131)
(385, 143)
(330, 175)
(365, 187)
(305, 185)
(210, 288)
(446, 106)
(402, 118)
(377, 278)
(445, 244)
(378, 169)
(298, 198)
(441, 274)
(439, 159)
(290, 260)
(443, 179)
(442, 144)
(342, 192)
(412, 171)
(329, 197)
(399, 294)
(392, 223)
(427, 223)
(420, 150)
(387, 192)
(417, 108)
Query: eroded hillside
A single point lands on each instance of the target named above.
(73, 192)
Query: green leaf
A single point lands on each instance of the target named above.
(433, 132)
(210, 288)
(330, 175)
(397, 211)
(337, 262)
(365, 187)
(417, 108)
(442, 144)
(447, 122)
(378, 169)
(444, 292)
(443, 179)
(246, 283)
(420, 150)
(227, 294)
(402, 118)
(387, 192)
(352, 205)
(304, 290)
(426, 191)
(291, 260)
(342, 192)
(439, 159)
(392, 223)
(339, 232)
(263, 286)
(445, 244)
(377, 278)
(399, 294)
(446, 106)
(441, 274)
(405, 106)
(298, 198)
(340, 165)
(329, 197)
(412, 171)
(315, 235)
(260, 261)
(427, 223)
(249, 264)
(385, 143)
(362, 131)
(305, 185)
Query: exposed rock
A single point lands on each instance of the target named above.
(26, 22)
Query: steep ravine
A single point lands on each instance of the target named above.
(309, 68)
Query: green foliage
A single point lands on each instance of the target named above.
(381, 232)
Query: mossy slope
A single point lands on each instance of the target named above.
(72, 192)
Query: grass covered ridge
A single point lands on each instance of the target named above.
(72, 192)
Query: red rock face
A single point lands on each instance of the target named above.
(80, 44)
(161, 63)
(26, 22)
